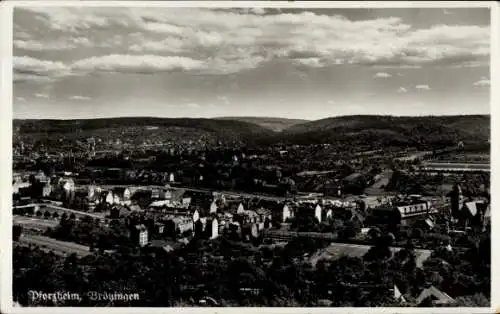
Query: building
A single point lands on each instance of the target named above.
(180, 225)
(332, 188)
(241, 209)
(121, 195)
(65, 188)
(287, 213)
(248, 217)
(329, 213)
(118, 211)
(156, 193)
(213, 228)
(473, 213)
(19, 185)
(140, 234)
(109, 199)
(213, 207)
(200, 201)
(433, 297)
(456, 199)
(171, 178)
(166, 246)
(67, 184)
(402, 213)
(42, 178)
(318, 212)
(189, 213)
(410, 213)
(46, 189)
(265, 215)
(176, 196)
(160, 228)
(487, 217)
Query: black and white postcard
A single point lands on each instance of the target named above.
(254, 154)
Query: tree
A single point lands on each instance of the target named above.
(374, 233)
(417, 233)
(350, 230)
(16, 232)
(304, 221)
(476, 300)
(47, 215)
(64, 216)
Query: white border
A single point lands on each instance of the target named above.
(6, 28)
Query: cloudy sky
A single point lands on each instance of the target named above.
(84, 62)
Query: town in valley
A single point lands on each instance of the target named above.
(233, 224)
(251, 157)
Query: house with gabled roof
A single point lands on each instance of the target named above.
(318, 212)
(472, 213)
(287, 212)
(241, 209)
(214, 207)
(121, 195)
(434, 297)
(398, 296)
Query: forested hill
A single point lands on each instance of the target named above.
(348, 130)
(391, 130)
(271, 123)
(218, 127)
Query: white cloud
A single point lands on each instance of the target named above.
(32, 78)
(228, 41)
(402, 90)
(21, 35)
(422, 87)
(28, 65)
(76, 97)
(74, 19)
(40, 95)
(310, 62)
(258, 11)
(193, 105)
(224, 99)
(482, 82)
(471, 64)
(397, 66)
(21, 98)
(382, 75)
(35, 45)
(331, 102)
(138, 64)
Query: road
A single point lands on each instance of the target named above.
(449, 166)
(76, 212)
(201, 190)
(55, 245)
(67, 210)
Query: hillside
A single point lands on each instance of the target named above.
(142, 127)
(348, 131)
(273, 124)
(391, 130)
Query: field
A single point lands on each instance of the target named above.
(336, 250)
(56, 246)
(34, 223)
